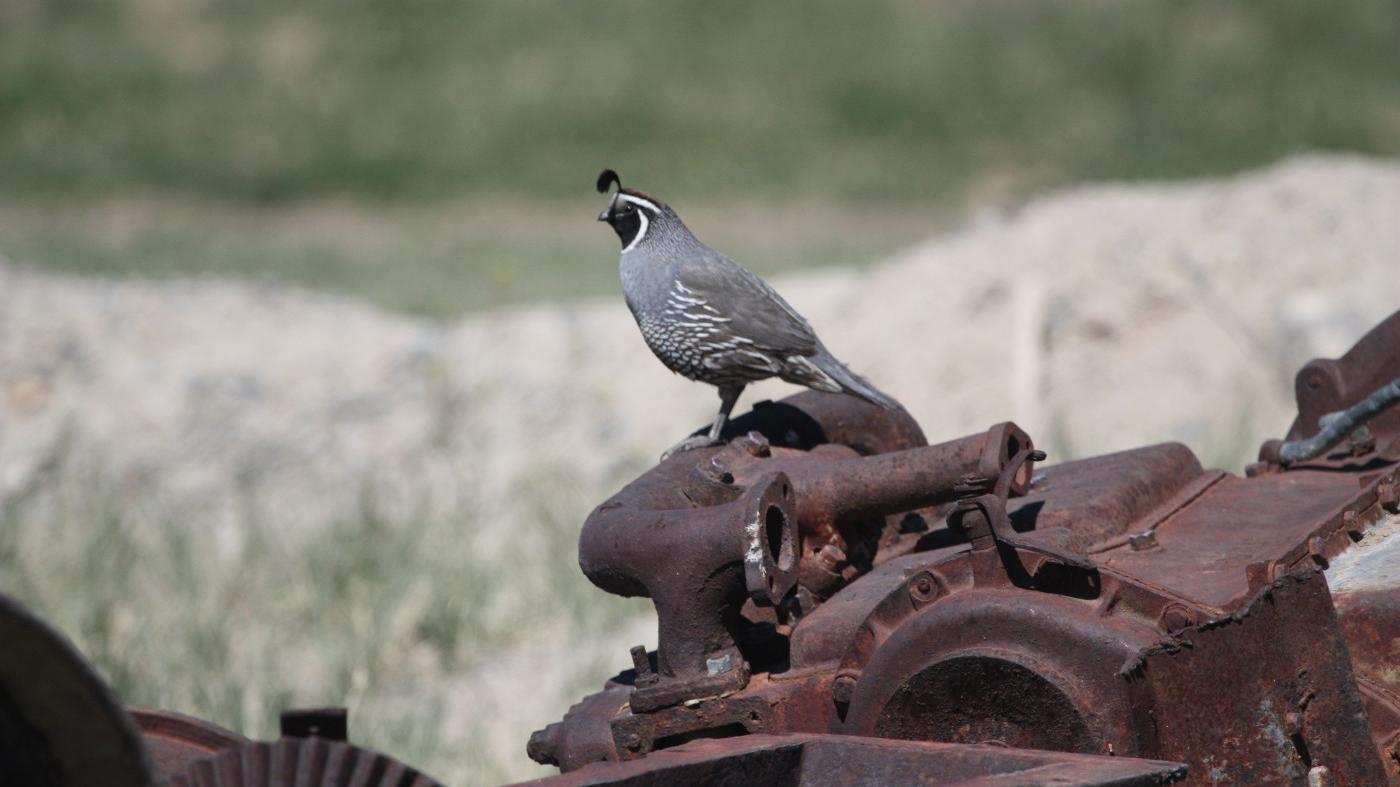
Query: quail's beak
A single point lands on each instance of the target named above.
(608, 214)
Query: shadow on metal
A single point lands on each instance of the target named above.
(842, 759)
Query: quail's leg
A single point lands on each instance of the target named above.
(728, 395)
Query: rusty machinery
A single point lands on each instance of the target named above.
(839, 602)
(826, 579)
(62, 726)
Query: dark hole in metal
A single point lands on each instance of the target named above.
(724, 731)
(971, 699)
(774, 522)
(1302, 747)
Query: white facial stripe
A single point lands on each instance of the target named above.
(651, 206)
(641, 232)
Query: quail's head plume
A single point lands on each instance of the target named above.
(710, 319)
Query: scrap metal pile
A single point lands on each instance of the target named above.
(61, 725)
(840, 602)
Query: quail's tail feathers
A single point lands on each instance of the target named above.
(851, 382)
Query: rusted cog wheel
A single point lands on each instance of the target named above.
(60, 724)
(301, 761)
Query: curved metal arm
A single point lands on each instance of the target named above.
(1336, 426)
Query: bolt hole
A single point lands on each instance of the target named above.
(780, 548)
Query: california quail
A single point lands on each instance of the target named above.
(709, 319)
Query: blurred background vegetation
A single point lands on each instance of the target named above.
(439, 156)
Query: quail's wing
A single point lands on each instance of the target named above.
(735, 306)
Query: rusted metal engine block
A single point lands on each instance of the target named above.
(827, 578)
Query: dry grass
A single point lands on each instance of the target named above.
(404, 620)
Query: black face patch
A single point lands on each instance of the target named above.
(628, 220)
(627, 225)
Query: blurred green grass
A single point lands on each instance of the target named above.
(438, 260)
(394, 616)
(416, 112)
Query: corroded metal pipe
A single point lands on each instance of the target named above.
(698, 565)
(706, 530)
(835, 485)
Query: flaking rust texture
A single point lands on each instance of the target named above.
(1287, 681)
(827, 583)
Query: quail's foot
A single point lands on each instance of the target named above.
(689, 444)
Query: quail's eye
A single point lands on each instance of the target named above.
(628, 207)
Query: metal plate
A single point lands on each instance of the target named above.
(845, 759)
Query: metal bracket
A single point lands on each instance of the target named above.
(981, 515)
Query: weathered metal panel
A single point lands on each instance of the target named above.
(801, 760)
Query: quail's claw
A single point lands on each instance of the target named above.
(689, 444)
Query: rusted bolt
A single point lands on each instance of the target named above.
(1292, 723)
(923, 588)
(843, 687)
(1176, 617)
(543, 746)
(1140, 542)
(1351, 523)
(1388, 495)
(1316, 549)
(718, 470)
(641, 662)
(830, 557)
(756, 444)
